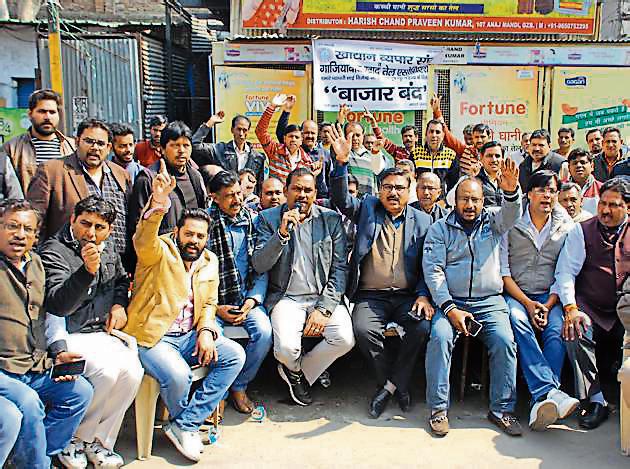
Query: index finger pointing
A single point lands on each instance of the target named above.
(162, 166)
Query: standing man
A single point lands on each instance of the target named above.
(149, 151)
(409, 135)
(529, 253)
(171, 314)
(272, 195)
(87, 292)
(123, 144)
(385, 281)
(242, 290)
(231, 156)
(594, 140)
(283, 157)
(59, 184)
(189, 193)
(461, 266)
(51, 409)
(409, 169)
(303, 248)
(581, 172)
(611, 154)
(592, 267)
(540, 157)
(429, 190)
(570, 198)
(566, 139)
(490, 173)
(519, 155)
(42, 141)
(434, 156)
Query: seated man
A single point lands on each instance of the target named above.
(591, 268)
(51, 409)
(429, 190)
(241, 290)
(529, 253)
(171, 314)
(10, 423)
(87, 285)
(303, 247)
(570, 197)
(385, 281)
(461, 268)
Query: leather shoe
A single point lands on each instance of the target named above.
(379, 402)
(404, 400)
(593, 415)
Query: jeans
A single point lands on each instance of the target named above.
(44, 433)
(372, 311)
(10, 422)
(258, 326)
(496, 334)
(541, 368)
(169, 362)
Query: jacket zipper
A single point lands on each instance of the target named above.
(472, 264)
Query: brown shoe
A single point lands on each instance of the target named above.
(508, 424)
(241, 402)
(439, 423)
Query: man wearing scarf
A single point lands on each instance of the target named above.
(241, 289)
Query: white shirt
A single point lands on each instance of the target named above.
(539, 238)
(569, 265)
(518, 156)
(241, 156)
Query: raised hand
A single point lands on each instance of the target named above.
(162, 185)
(289, 103)
(217, 118)
(508, 180)
(343, 113)
(435, 103)
(368, 116)
(341, 144)
(278, 100)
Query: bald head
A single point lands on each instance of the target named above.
(272, 193)
(469, 199)
(428, 190)
(309, 133)
(428, 176)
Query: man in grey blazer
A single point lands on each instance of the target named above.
(303, 248)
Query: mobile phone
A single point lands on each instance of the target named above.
(235, 312)
(414, 315)
(473, 326)
(68, 369)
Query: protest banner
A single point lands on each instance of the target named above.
(13, 121)
(390, 122)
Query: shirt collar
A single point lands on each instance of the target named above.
(527, 218)
(245, 148)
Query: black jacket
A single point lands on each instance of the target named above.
(492, 196)
(85, 300)
(552, 162)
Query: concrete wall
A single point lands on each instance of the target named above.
(19, 56)
(104, 10)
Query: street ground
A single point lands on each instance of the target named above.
(335, 431)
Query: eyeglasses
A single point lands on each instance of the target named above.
(610, 205)
(544, 190)
(91, 142)
(391, 187)
(14, 228)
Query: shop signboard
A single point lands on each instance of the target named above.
(13, 121)
(390, 122)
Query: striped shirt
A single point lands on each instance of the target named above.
(46, 150)
(360, 165)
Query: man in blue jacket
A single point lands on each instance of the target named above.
(385, 281)
(462, 270)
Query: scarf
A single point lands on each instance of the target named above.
(229, 278)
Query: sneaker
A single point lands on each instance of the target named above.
(566, 404)
(102, 457)
(298, 387)
(543, 414)
(73, 456)
(439, 423)
(507, 423)
(324, 379)
(186, 442)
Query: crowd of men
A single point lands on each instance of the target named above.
(135, 257)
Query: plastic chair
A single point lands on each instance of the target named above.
(624, 401)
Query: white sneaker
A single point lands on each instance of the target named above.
(543, 414)
(186, 443)
(73, 456)
(102, 457)
(566, 404)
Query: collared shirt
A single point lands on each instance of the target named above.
(539, 238)
(303, 281)
(110, 191)
(185, 319)
(241, 156)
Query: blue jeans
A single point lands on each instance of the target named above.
(43, 434)
(541, 368)
(169, 362)
(258, 326)
(496, 334)
(10, 423)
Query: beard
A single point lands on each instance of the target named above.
(186, 255)
(42, 131)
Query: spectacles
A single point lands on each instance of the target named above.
(391, 187)
(610, 205)
(14, 228)
(544, 190)
(91, 142)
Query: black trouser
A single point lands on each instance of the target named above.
(582, 354)
(372, 311)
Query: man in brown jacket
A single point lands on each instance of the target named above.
(42, 141)
(59, 184)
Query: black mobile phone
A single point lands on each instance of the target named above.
(235, 312)
(473, 326)
(414, 315)
(68, 369)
